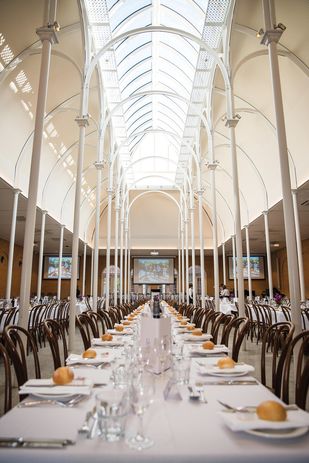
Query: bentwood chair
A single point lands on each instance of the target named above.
(18, 342)
(98, 320)
(276, 339)
(297, 364)
(235, 332)
(7, 402)
(87, 328)
(55, 335)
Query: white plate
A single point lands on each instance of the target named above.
(238, 370)
(54, 396)
(216, 350)
(192, 338)
(227, 373)
(288, 433)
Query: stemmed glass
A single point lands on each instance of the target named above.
(142, 395)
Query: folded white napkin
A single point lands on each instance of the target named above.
(214, 370)
(216, 350)
(74, 359)
(126, 331)
(112, 343)
(48, 387)
(248, 421)
(191, 337)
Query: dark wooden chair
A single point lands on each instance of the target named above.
(55, 335)
(98, 320)
(87, 328)
(296, 364)
(234, 335)
(7, 402)
(276, 340)
(18, 343)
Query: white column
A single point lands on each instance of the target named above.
(193, 250)
(12, 244)
(234, 266)
(99, 168)
(82, 123)
(187, 259)
(84, 269)
(121, 260)
(212, 167)
(125, 263)
(108, 243)
(223, 263)
(270, 38)
(231, 124)
(201, 239)
(117, 209)
(268, 254)
(129, 273)
(91, 272)
(299, 248)
(62, 227)
(182, 265)
(179, 274)
(248, 262)
(48, 37)
(41, 252)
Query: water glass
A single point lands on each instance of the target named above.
(181, 370)
(120, 376)
(112, 411)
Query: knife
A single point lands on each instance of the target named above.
(19, 442)
(232, 382)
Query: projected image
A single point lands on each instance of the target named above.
(51, 266)
(153, 271)
(257, 267)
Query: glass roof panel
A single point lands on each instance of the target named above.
(161, 64)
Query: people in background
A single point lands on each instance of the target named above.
(224, 291)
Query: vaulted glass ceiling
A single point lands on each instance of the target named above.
(155, 81)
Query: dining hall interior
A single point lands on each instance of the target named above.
(154, 230)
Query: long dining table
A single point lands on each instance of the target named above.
(183, 430)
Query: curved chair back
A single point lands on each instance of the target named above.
(87, 329)
(236, 330)
(7, 404)
(55, 335)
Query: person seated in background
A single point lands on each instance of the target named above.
(191, 294)
(224, 291)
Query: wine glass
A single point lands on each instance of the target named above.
(142, 395)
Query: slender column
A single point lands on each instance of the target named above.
(223, 263)
(84, 269)
(231, 124)
(116, 249)
(212, 167)
(248, 262)
(270, 39)
(182, 265)
(268, 253)
(62, 227)
(179, 274)
(187, 259)
(299, 248)
(129, 273)
(99, 167)
(91, 272)
(12, 243)
(121, 260)
(125, 262)
(201, 238)
(234, 266)
(193, 249)
(108, 244)
(40, 269)
(48, 37)
(82, 123)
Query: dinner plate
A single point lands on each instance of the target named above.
(288, 433)
(124, 332)
(55, 396)
(219, 349)
(192, 338)
(238, 370)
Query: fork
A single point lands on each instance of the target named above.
(250, 408)
(36, 403)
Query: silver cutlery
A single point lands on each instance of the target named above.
(250, 408)
(36, 403)
(202, 394)
(194, 395)
(20, 442)
(230, 382)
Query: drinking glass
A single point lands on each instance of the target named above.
(142, 395)
(112, 411)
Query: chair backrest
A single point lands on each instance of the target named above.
(98, 320)
(7, 404)
(275, 339)
(55, 335)
(87, 329)
(298, 356)
(107, 319)
(236, 330)
(18, 342)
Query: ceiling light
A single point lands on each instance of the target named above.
(260, 33)
(275, 245)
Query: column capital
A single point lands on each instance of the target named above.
(246, 226)
(110, 191)
(200, 192)
(117, 208)
(48, 33)
(99, 165)
(294, 191)
(212, 165)
(191, 209)
(232, 122)
(44, 211)
(185, 221)
(17, 191)
(62, 225)
(273, 35)
(265, 212)
(82, 121)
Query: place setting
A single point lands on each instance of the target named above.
(224, 367)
